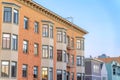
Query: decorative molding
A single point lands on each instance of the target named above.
(61, 28)
(11, 4)
(46, 21)
(51, 14)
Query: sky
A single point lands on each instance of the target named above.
(101, 18)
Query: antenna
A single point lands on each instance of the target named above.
(70, 19)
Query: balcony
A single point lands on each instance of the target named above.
(70, 65)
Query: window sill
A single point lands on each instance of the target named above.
(6, 49)
(14, 50)
(7, 22)
(16, 24)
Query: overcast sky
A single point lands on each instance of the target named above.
(101, 18)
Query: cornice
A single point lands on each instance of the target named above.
(51, 14)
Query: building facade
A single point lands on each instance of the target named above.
(95, 69)
(104, 74)
(113, 67)
(37, 44)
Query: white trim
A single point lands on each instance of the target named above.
(93, 76)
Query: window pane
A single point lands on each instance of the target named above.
(45, 31)
(44, 73)
(25, 46)
(25, 23)
(51, 52)
(64, 73)
(64, 53)
(72, 42)
(7, 14)
(50, 74)
(5, 69)
(64, 37)
(78, 44)
(59, 55)
(68, 75)
(14, 42)
(79, 76)
(6, 41)
(16, 14)
(24, 70)
(51, 31)
(59, 74)
(45, 51)
(82, 60)
(72, 57)
(82, 44)
(78, 60)
(72, 74)
(13, 69)
(68, 41)
(35, 49)
(35, 73)
(59, 36)
(36, 27)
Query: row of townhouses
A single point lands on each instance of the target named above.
(102, 68)
(38, 44)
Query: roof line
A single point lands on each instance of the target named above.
(60, 17)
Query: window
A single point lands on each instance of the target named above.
(44, 73)
(45, 51)
(82, 60)
(118, 71)
(72, 42)
(64, 37)
(5, 69)
(96, 68)
(25, 46)
(36, 27)
(6, 41)
(7, 14)
(50, 74)
(14, 42)
(72, 57)
(68, 41)
(64, 74)
(35, 73)
(78, 44)
(78, 61)
(25, 23)
(59, 36)
(35, 49)
(24, 70)
(13, 69)
(104, 78)
(51, 31)
(72, 74)
(59, 74)
(51, 52)
(45, 30)
(68, 75)
(59, 55)
(16, 14)
(82, 44)
(79, 77)
(64, 53)
(114, 70)
(67, 57)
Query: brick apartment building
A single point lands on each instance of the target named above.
(37, 44)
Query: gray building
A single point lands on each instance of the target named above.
(92, 69)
